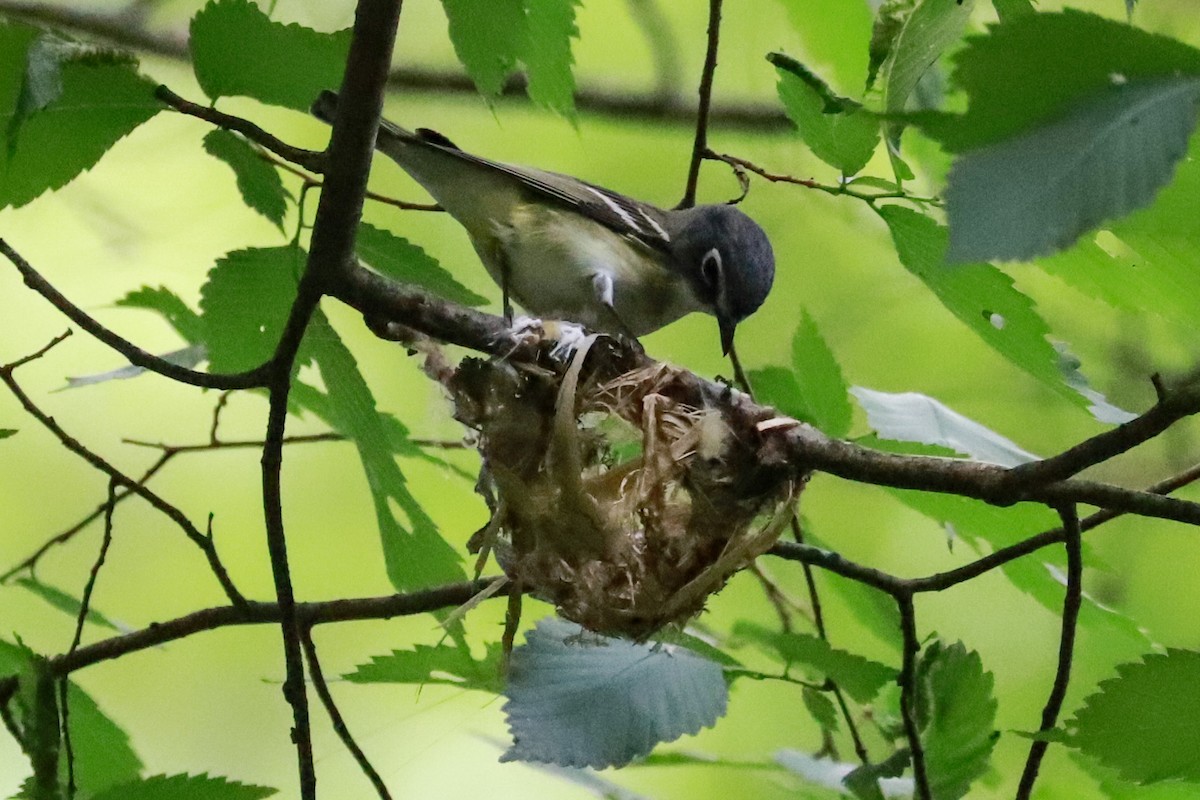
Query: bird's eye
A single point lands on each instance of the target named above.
(710, 269)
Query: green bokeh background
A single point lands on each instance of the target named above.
(158, 210)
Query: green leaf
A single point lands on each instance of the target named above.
(925, 34)
(836, 129)
(239, 50)
(822, 386)
(245, 305)
(1113, 788)
(259, 182)
(1142, 723)
(398, 258)
(1008, 10)
(576, 699)
(446, 664)
(547, 54)
(1005, 74)
(957, 718)
(820, 398)
(99, 103)
(492, 38)
(1036, 193)
(415, 554)
(64, 602)
(860, 677)
(103, 755)
(914, 417)
(187, 323)
(822, 709)
(832, 775)
(6, 432)
(985, 299)
(185, 787)
(889, 21)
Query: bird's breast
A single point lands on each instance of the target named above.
(553, 258)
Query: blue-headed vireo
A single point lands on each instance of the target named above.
(566, 249)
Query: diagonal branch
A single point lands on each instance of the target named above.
(136, 355)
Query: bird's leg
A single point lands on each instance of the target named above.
(602, 282)
(505, 277)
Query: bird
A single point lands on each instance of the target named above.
(567, 249)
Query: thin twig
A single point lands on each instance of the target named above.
(700, 146)
(171, 512)
(85, 601)
(1066, 650)
(908, 694)
(335, 716)
(311, 160)
(136, 355)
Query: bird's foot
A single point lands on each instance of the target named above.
(567, 336)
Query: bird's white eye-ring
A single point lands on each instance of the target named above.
(711, 269)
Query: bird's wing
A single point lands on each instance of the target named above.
(640, 221)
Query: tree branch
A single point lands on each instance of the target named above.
(136, 355)
(700, 147)
(205, 543)
(908, 694)
(1066, 650)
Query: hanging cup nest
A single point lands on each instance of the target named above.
(624, 501)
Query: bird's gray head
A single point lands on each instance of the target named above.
(727, 259)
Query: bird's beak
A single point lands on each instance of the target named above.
(728, 326)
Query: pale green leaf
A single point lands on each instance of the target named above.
(925, 34)
(822, 709)
(1037, 192)
(576, 699)
(1008, 10)
(914, 417)
(1142, 723)
(64, 602)
(257, 181)
(238, 50)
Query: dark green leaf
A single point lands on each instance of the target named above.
(245, 304)
(103, 755)
(1006, 73)
(398, 258)
(860, 677)
(576, 699)
(99, 103)
(1142, 723)
(445, 664)
(865, 780)
(239, 50)
(6, 432)
(1113, 787)
(185, 787)
(836, 129)
(187, 323)
(64, 602)
(415, 554)
(914, 417)
(1037, 192)
(259, 182)
(985, 299)
(957, 718)
(15, 41)
(822, 709)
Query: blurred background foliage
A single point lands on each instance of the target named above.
(158, 211)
